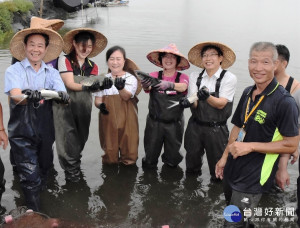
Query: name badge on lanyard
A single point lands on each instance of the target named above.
(241, 135)
(242, 132)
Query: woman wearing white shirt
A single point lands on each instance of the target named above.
(118, 119)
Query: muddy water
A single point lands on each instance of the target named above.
(130, 197)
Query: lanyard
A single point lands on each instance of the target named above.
(252, 110)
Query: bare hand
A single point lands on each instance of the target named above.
(239, 149)
(282, 178)
(219, 170)
(295, 156)
(3, 139)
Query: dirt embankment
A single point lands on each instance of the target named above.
(49, 11)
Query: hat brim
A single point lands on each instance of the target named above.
(153, 58)
(100, 41)
(195, 57)
(17, 45)
(37, 22)
(130, 67)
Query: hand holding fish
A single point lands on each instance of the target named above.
(33, 95)
(203, 93)
(120, 83)
(185, 103)
(165, 85)
(144, 76)
(106, 84)
(95, 87)
(64, 97)
(146, 83)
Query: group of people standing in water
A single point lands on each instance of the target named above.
(265, 122)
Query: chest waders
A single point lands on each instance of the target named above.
(164, 127)
(207, 131)
(119, 130)
(31, 137)
(72, 124)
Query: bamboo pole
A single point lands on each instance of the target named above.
(41, 8)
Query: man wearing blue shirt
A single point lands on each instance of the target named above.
(30, 126)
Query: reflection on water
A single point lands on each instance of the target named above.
(118, 196)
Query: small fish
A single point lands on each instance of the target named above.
(90, 80)
(144, 76)
(46, 94)
(100, 78)
(191, 99)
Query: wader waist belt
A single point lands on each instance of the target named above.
(163, 121)
(210, 124)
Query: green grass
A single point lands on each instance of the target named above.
(7, 11)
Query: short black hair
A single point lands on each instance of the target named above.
(207, 47)
(42, 34)
(283, 52)
(162, 54)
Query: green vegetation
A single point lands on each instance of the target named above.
(7, 11)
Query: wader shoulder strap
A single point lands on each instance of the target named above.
(160, 75)
(199, 79)
(218, 83)
(177, 79)
(289, 84)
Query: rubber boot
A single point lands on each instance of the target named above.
(32, 198)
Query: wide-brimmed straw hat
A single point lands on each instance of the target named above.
(195, 57)
(17, 45)
(37, 22)
(171, 48)
(130, 67)
(100, 41)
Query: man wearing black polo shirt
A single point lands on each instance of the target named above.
(265, 125)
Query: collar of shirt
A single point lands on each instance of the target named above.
(27, 64)
(268, 90)
(217, 74)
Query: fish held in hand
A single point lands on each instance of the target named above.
(144, 76)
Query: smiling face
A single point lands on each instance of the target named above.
(116, 62)
(83, 49)
(169, 61)
(262, 67)
(211, 60)
(35, 48)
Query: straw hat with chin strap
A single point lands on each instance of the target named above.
(17, 45)
(100, 41)
(153, 57)
(195, 57)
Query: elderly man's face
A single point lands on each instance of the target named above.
(262, 66)
(35, 49)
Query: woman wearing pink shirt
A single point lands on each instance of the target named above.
(165, 126)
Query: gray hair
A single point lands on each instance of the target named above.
(264, 46)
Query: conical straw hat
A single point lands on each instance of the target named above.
(17, 45)
(100, 41)
(171, 48)
(195, 57)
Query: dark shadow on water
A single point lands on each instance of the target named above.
(67, 202)
(115, 193)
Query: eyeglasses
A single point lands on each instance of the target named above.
(209, 55)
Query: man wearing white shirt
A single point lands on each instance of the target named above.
(207, 130)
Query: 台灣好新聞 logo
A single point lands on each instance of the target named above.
(232, 213)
